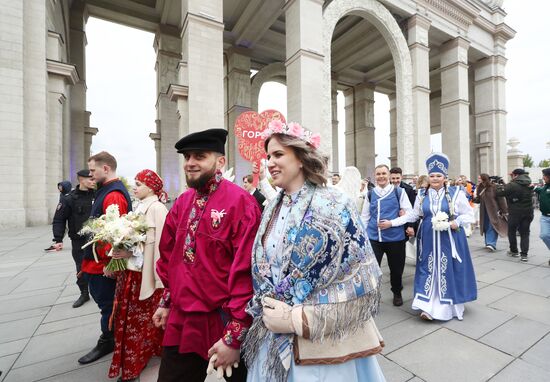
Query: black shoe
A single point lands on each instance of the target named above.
(397, 299)
(84, 297)
(523, 258)
(513, 254)
(104, 346)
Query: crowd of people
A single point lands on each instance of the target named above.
(280, 281)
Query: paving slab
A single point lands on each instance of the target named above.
(520, 370)
(534, 281)
(45, 347)
(66, 310)
(13, 347)
(19, 329)
(478, 320)
(405, 332)
(392, 371)
(491, 293)
(539, 353)
(434, 356)
(55, 367)
(526, 305)
(6, 363)
(388, 315)
(497, 270)
(516, 336)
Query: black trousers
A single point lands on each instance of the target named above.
(522, 223)
(102, 290)
(190, 367)
(78, 253)
(395, 252)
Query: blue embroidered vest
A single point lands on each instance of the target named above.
(385, 208)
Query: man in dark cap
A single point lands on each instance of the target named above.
(73, 210)
(543, 194)
(204, 264)
(519, 195)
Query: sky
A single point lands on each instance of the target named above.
(122, 92)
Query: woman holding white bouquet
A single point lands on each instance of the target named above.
(139, 288)
(444, 278)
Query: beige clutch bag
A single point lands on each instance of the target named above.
(363, 343)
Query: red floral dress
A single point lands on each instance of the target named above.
(136, 338)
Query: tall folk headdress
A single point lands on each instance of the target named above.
(437, 163)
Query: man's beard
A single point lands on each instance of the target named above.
(199, 183)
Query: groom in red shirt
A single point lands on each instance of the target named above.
(205, 259)
(110, 190)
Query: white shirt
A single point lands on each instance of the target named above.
(404, 204)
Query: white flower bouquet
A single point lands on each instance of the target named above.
(440, 222)
(122, 232)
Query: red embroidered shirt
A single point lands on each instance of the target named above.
(215, 284)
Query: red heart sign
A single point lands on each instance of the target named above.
(248, 130)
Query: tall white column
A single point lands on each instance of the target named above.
(364, 129)
(304, 65)
(393, 131)
(199, 91)
(201, 69)
(168, 49)
(79, 117)
(360, 145)
(420, 55)
(490, 115)
(36, 114)
(349, 134)
(238, 101)
(12, 166)
(455, 130)
(60, 76)
(334, 98)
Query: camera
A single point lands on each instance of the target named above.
(495, 179)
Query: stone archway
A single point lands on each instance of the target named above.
(271, 72)
(374, 12)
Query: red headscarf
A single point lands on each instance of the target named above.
(154, 182)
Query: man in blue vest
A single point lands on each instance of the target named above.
(386, 209)
(110, 190)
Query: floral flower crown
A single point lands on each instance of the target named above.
(294, 129)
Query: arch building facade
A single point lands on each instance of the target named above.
(440, 62)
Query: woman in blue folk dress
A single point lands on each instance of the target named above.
(316, 280)
(444, 278)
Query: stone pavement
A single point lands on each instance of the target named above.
(504, 335)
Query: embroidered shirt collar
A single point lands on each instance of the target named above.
(212, 184)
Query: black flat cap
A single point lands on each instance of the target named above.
(546, 171)
(207, 140)
(519, 171)
(84, 173)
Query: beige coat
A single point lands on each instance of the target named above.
(155, 214)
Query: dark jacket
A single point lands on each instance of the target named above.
(519, 195)
(73, 210)
(65, 188)
(544, 198)
(260, 198)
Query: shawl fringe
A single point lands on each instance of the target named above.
(334, 322)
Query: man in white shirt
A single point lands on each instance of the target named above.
(386, 209)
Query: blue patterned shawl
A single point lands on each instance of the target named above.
(326, 261)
